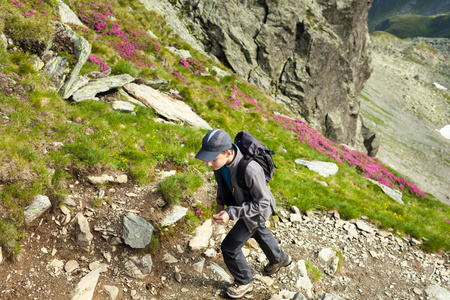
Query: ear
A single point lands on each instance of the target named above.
(230, 152)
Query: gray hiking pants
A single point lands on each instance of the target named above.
(235, 259)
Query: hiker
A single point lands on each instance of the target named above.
(251, 207)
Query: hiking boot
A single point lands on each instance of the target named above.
(239, 290)
(270, 269)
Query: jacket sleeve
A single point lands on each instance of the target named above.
(260, 195)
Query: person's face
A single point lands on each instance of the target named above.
(220, 161)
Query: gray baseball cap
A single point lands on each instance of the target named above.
(214, 142)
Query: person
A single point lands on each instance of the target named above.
(250, 207)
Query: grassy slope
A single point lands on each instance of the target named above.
(136, 144)
(409, 26)
(385, 9)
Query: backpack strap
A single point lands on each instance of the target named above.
(242, 168)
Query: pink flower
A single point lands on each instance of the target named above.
(199, 212)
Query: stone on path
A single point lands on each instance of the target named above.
(132, 270)
(326, 254)
(174, 215)
(435, 292)
(303, 282)
(198, 266)
(120, 178)
(145, 264)
(112, 290)
(202, 234)
(324, 169)
(40, 205)
(330, 296)
(284, 294)
(221, 272)
(83, 232)
(169, 258)
(137, 233)
(71, 265)
(364, 226)
(86, 287)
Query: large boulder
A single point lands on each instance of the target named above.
(311, 55)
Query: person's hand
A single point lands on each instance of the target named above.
(219, 208)
(222, 217)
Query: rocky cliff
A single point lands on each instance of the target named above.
(311, 55)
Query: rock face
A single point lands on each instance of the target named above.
(313, 56)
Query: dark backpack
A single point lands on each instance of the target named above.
(253, 149)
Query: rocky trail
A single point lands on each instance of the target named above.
(78, 252)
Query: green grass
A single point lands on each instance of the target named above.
(409, 26)
(314, 273)
(179, 186)
(95, 135)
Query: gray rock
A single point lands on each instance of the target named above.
(118, 178)
(112, 290)
(210, 253)
(82, 52)
(83, 232)
(57, 68)
(198, 266)
(169, 258)
(326, 254)
(330, 296)
(295, 217)
(202, 234)
(37, 63)
(67, 15)
(174, 215)
(167, 11)
(221, 272)
(177, 274)
(295, 209)
(393, 193)
(122, 106)
(435, 292)
(364, 226)
(145, 264)
(71, 265)
(324, 169)
(284, 294)
(131, 270)
(221, 73)
(39, 205)
(161, 84)
(181, 53)
(137, 233)
(165, 106)
(86, 287)
(3, 40)
(101, 85)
